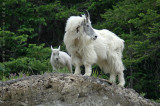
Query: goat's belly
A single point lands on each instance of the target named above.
(103, 64)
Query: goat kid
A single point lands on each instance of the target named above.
(60, 59)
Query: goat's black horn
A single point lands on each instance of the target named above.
(87, 14)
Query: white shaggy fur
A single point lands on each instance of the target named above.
(106, 50)
(60, 59)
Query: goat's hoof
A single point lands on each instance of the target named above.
(121, 84)
(87, 75)
(76, 74)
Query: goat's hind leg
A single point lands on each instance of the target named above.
(119, 68)
(121, 78)
(120, 73)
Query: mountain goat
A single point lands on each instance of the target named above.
(60, 59)
(88, 46)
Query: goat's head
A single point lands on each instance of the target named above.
(87, 27)
(55, 53)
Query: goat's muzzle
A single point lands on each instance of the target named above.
(95, 37)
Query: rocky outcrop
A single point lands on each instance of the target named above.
(67, 90)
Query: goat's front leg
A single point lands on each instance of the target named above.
(77, 63)
(88, 70)
(54, 69)
(112, 77)
(77, 70)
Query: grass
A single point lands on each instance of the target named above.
(95, 73)
(62, 70)
(100, 74)
(20, 75)
(14, 76)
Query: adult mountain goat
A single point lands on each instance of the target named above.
(88, 46)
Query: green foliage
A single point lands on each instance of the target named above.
(142, 94)
(36, 60)
(12, 44)
(38, 52)
(95, 73)
(4, 71)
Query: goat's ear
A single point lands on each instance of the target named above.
(59, 48)
(51, 48)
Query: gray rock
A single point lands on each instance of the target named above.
(67, 90)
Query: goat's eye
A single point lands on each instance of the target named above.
(87, 25)
(53, 53)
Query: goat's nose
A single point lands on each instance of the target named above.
(95, 37)
(56, 58)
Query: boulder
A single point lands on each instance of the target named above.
(55, 89)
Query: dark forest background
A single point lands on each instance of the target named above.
(29, 27)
